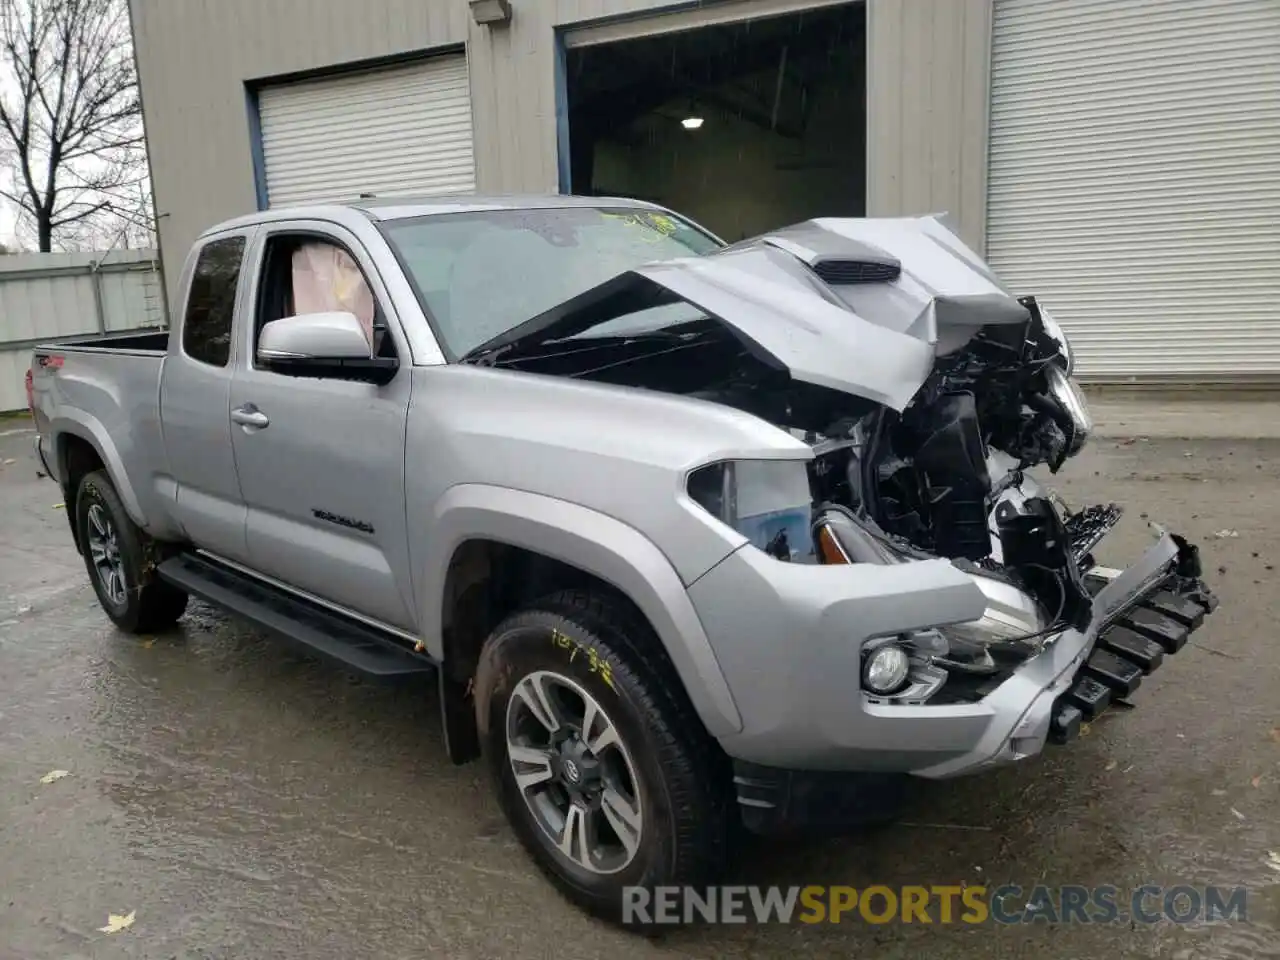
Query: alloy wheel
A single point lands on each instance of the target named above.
(104, 551)
(574, 772)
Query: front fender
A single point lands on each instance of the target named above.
(596, 543)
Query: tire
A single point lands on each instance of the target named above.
(135, 599)
(678, 777)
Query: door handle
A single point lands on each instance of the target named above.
(250, 416)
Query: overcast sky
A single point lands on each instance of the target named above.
(7, 217)
(6, 224)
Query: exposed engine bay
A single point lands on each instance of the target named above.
(946, 476)
(925, 390)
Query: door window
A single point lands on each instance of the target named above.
(206, 327)
(325, 278)
(304, 274)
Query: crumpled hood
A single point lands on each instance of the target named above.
(862, 306)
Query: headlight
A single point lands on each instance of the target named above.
(1011, 625)
(1010, 614)
(767, 501)
(1054, 330)
(1064, 390)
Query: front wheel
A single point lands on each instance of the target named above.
(115, 556)
(606, 775)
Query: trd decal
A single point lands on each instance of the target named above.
(328, 517)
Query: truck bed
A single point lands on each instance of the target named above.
(156, 341)
(102, 394)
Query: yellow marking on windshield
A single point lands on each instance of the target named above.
(659, 225)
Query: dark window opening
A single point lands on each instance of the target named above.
(744, 126)
(206, 327)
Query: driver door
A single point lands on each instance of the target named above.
(321, 458)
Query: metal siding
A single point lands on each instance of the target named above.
(196, 57)
(1135, 180)
(44, 296)
(389, 132)
(702, 15)
(927, 99)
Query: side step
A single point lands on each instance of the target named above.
(362, 648)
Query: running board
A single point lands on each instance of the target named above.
(360, 647)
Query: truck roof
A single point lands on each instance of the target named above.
(400, 208)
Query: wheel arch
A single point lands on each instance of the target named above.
(571, 545)
(80, 445)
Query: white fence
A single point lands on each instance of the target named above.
(56, 296)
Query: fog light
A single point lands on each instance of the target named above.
(885, 669)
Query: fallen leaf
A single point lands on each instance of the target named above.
(116, 923)
(1085, 730)
(1256, 781)
(53, 775)
(58, 506)
(148, 642)
(1237, 814)
(1112, 765)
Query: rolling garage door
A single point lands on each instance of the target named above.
(1134, 181)
(392, 132)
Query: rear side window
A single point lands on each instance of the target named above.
(206, 328)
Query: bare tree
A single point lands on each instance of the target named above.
(70, 114)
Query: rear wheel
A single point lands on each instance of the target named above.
(115, 556)
(606, 775)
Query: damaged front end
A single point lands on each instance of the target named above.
(926, 392)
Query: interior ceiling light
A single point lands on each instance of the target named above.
(691, 123)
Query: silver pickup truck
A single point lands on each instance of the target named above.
(689, 535)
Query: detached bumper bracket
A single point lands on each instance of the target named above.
(1089, 697)
(1123, 642)
(1134, 645)
(1122, 677)
(1165, 631)
(1180, 609)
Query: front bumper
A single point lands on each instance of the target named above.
(803, 709)
(1141, 615)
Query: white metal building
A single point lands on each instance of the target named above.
(1135, 179)
(1119, 160)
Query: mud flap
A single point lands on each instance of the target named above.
(458, 719)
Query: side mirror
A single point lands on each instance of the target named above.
(322, 345)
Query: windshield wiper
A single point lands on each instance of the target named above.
(483, 356)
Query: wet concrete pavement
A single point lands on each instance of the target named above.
(243, 801)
